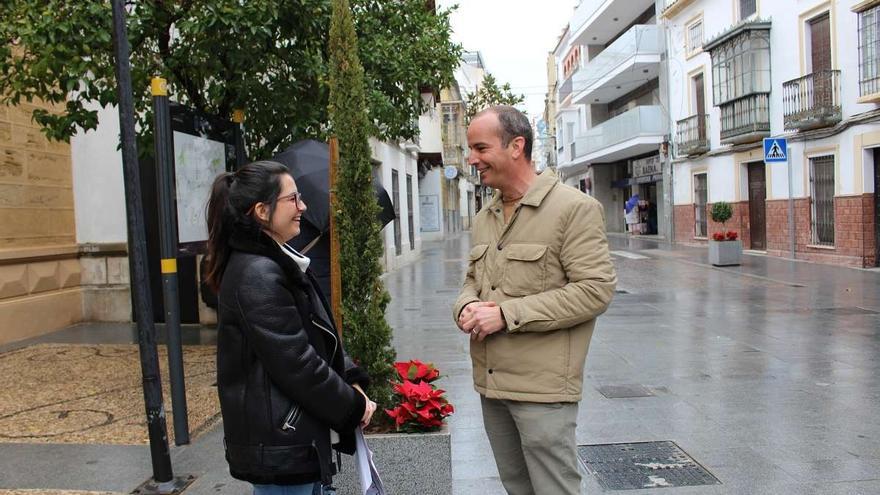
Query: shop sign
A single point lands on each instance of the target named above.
(646, 166)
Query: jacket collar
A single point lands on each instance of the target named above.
(544, 183)
(261, 244)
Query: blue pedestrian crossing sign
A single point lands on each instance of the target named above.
(775, 150)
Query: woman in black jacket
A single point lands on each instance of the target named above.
(288, 392)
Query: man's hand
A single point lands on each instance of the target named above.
(481, 319)
(468, 312)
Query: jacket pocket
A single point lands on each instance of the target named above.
(477, 261)
(525, 269)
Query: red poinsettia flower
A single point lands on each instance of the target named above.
(731, 235)
(422, 406)
(416, 370)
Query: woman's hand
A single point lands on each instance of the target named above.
(369, 410)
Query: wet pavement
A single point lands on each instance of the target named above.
(764, 374)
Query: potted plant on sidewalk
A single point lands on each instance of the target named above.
(725, 248)
(417, 458)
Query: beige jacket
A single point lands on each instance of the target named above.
(550, 271)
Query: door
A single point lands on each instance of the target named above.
(700, 100)
(757, 206)
(877, 205)
(820, 59)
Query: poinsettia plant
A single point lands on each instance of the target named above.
(422, 405)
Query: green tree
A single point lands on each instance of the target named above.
(489, 94)
(364, 298)
(266, 56)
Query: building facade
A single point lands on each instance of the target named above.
(808, 71)
(611, 123)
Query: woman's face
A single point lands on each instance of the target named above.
(284, 224)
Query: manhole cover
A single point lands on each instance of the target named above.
(632, 466)
(624, 391)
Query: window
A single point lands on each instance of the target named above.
(869, 51)
(451, 135)
(741, 66)
(395, 199)
(694, 40)
(822, 199)
(701, 198)
(747, 8)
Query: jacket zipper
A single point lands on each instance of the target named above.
(295, 412)
(292, 418)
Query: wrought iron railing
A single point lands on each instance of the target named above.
(692, 135)
(745, 119)
(812, 101)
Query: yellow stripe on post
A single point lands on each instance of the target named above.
(238, 115)
(159, 86)
(169, 265)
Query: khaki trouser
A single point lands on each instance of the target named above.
(534, 445)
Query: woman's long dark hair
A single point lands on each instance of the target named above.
(230, 210)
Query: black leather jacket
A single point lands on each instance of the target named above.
(279, 358)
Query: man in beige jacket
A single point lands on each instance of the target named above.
(539, 274)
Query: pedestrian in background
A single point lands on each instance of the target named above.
(539, 274)
(286, 385)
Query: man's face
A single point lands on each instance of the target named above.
(493, 160)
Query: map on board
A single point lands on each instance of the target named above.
(197, 161)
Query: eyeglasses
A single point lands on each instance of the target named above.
(294, 197)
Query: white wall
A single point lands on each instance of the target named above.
(430, 185)
(98, 187)
(396, 157)
(429, 131)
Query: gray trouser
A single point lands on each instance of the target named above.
(534, 445)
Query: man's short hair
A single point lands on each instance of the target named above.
(513, 124)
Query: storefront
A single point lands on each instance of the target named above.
(644, 190)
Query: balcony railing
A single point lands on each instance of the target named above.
(638, 122)
(745, 119)
(564, 90)
(812, 101)
(692, 135)
(616, 59)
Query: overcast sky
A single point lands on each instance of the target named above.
(514, 37)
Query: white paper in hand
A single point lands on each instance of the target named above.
(371, 484)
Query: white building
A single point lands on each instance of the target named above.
(611, 124)
(808, 70)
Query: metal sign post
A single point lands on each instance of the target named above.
(168, 250)
(776, 151)
(143, 304)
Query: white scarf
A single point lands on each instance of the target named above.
(301, 261)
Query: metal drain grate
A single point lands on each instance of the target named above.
(633, 466)
(624, 391)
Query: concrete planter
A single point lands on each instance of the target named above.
(725, 253)
(408, 463)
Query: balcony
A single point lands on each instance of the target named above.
(636, 132)
(564, 91)
(745, 119)
(627, 63)
(692, 135)
(596, 22)
(812, 101)
(453, 155)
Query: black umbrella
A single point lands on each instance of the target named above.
(309, 162)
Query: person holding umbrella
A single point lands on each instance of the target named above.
(289, 393)
(309, 163)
